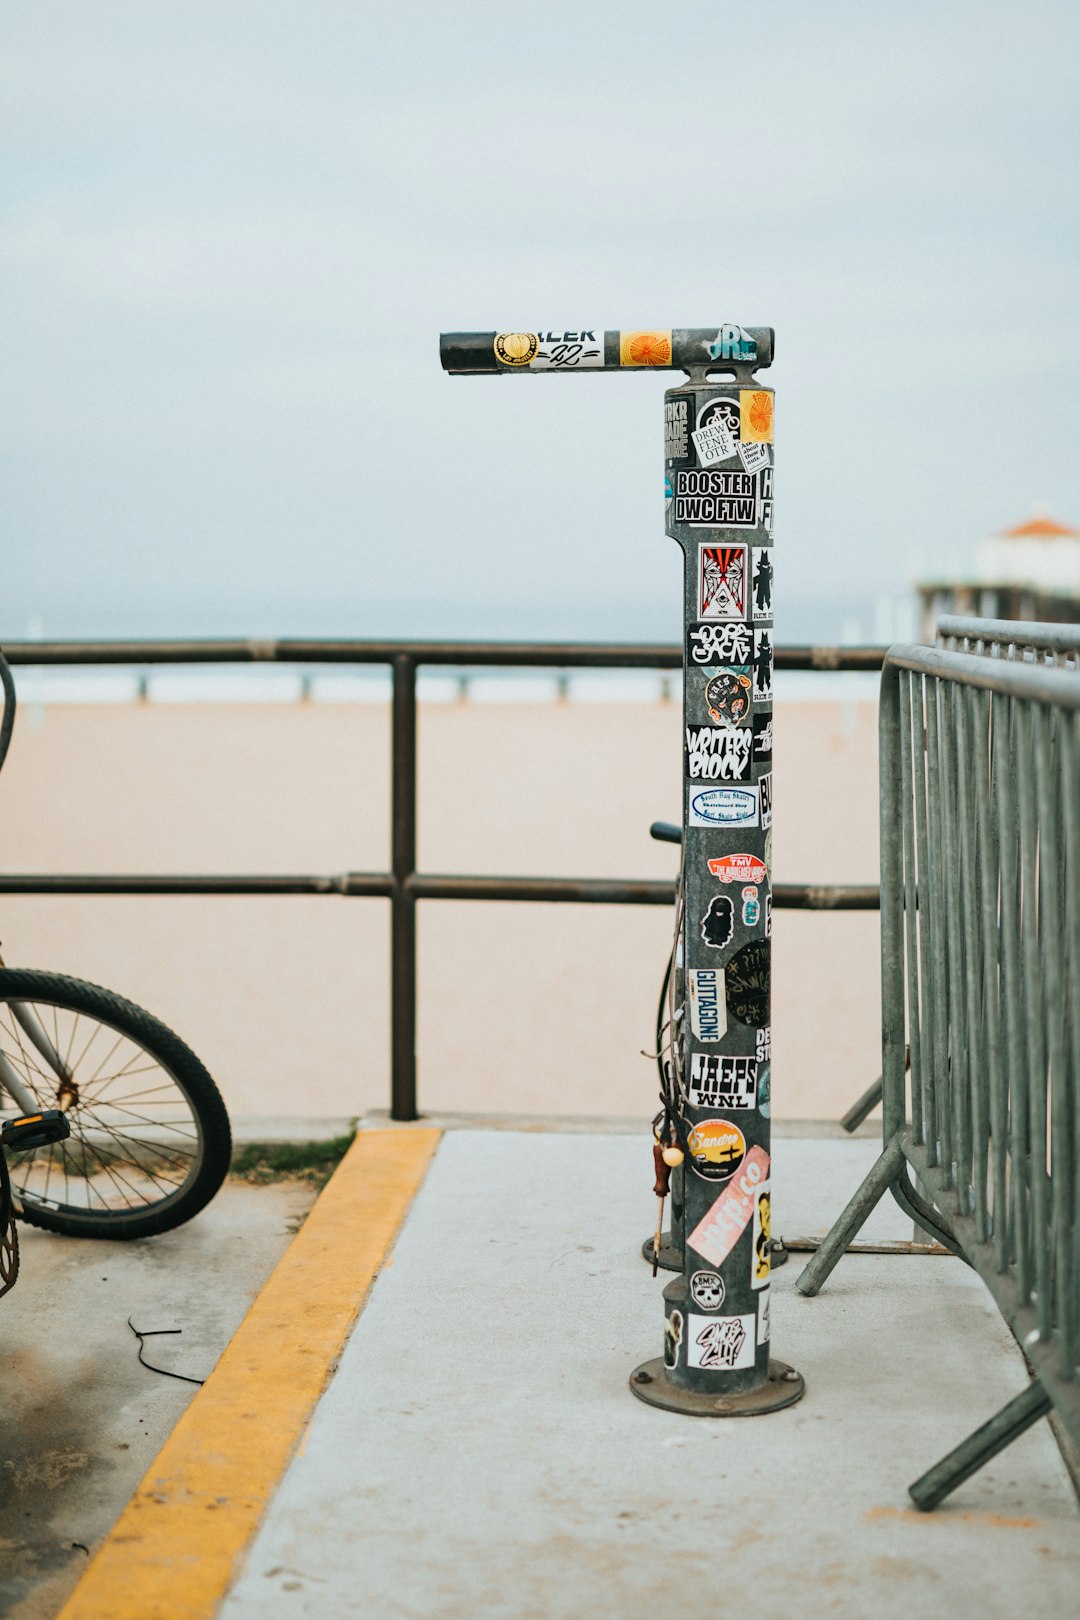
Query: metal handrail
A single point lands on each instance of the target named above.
(402, 884)
(1010, 633)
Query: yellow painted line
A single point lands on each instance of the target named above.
(174, 1550)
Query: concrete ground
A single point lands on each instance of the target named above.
(478, 1453)
(80, 1419)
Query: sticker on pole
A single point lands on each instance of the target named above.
(709, 643)
(716, 500)
(722, 807)
(731, 343)
(741, 868)
(755, 416)
(717, 1233)
(761, 1251)
(516, 348)
(722, 412)
(721, 1343)
(746, 980)
(645, 348)
(765, 797)
(753, 456)
(676, 429)
(673, 1327)
(719, 754)
(727, 695)
(708, 1011)
(707, 1290)
(714, 444)
(764, 1325)
(722, 1082)
(763, 738)
(569, 351)
(718, 923)
(765, 506)
(763, 666)
(722, 581)
(717, 1148)
(762, 587)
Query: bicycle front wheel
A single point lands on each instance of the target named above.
(150, 1141)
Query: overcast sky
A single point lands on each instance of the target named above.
(233, 232)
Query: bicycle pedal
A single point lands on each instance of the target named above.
(34, 1130)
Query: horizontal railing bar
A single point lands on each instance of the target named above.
(428, 886)
(581, 891)
(1036, 683)
(479, 654)
(349, 883)
(1012, 632)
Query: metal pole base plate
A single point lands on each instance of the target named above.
(671, 1259)
(650, 1383)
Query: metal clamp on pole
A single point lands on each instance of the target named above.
(714, 1129)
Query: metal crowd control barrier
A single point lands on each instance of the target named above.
(997, 638)
(714, 1128)
(980, 921)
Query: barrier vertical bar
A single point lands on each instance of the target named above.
(403, 903)
(719, 508)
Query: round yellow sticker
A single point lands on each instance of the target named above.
(717, 1148)
(516, 348)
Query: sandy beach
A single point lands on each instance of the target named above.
(530, 1009)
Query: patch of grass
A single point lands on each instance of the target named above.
(259, 1163)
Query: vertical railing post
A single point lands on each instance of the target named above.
(403, 903)
(719, 502)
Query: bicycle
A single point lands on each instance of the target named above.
(118, 1129)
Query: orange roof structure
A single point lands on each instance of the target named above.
(1040, 528)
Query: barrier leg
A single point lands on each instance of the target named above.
(863, 1108)
(877, 1183)
(1003, 1428)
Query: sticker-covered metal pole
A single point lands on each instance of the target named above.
(719, 499)
(714, 1132)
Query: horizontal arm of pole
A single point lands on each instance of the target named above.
(474, 354)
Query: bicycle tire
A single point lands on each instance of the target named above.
(209, 1160)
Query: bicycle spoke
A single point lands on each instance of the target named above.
(121, 1136)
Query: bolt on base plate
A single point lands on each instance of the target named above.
(671, 1259)
(785, 1386)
